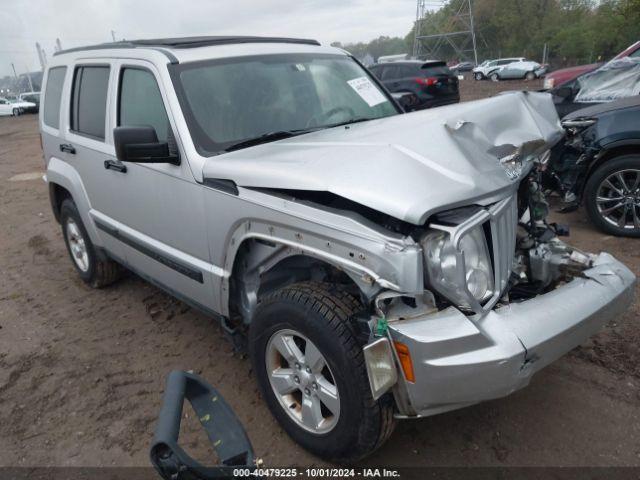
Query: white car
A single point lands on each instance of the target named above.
(7, 108)
(14, 107)
(508, 68)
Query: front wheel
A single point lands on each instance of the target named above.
(477, 76)
(311, 372)
(495, 77)
(16, 112)
(612, 196)
(530, 76)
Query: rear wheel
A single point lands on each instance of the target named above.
(93, 271)
(612, 196)
(312, 374)
(15, 112)
(530, 76)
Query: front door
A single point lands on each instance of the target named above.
(157, 210)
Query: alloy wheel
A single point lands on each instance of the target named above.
(302, 381)
(618, 199)
(77, 246)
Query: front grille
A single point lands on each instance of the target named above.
(503, 224)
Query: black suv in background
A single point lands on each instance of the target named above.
(432, 83)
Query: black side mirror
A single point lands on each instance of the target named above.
(563, 92)
(407, 100)
(141, 145)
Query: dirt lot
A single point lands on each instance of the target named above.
(82, 370)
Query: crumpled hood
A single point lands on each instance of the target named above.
(407, 166)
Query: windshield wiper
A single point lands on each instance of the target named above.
(348, 122)
(265, 138)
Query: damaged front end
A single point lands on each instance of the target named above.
(506, 296)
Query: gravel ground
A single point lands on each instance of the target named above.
(82, 370)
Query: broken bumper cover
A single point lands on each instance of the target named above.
(460, 360)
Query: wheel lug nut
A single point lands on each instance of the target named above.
(298, 366)
(307, 391)
(308, 370)
(315, 386)
(296, 379)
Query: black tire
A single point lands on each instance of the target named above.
(99, 273)
(530, 76)
(478, 76)
(321, 314)
(494, 77)
(610, 167)
(15, 112)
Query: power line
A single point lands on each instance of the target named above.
(458, 32)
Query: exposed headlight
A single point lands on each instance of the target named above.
(549, 83)
(459, 273)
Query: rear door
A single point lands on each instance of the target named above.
(389, 77)
(515, 69)
(84, 141)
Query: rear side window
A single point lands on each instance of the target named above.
(53, 94)
(141, 102)
(89, 101)
(390, 72)
(435, 71)
(408, 71)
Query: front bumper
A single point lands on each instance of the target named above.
(460, 360)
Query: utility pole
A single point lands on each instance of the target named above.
(457, 33)
(58, 45)
(41, 57)
(473, 33)
(113, 35)
(16, 75)
(29, 78)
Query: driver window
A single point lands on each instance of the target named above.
(141, 102)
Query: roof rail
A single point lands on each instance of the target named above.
(187, 42)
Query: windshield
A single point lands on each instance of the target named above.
(617, 79)
(227, 102)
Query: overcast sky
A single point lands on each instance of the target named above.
(82, 22)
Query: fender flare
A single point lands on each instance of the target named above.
(350, 259)
(61, 173)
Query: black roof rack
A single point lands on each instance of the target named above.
(188, 42)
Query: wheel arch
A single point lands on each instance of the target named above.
(64, 182)
(612, 151)
(260, 266)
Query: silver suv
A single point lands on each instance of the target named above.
(382, 265)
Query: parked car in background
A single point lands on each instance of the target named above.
(393, 58)
(614, 80)
(463, 67)
(432, 82)
(30, 97)
(508, 69)
(18, 106)
(564, 75)
(7, 108)
(599, 165)
(486, 68)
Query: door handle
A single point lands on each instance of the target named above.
(115, 165)
(67, 147)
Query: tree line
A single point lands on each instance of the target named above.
(574, 31)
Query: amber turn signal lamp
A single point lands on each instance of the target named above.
(405, 361)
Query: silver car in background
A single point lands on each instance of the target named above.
(376, 265)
